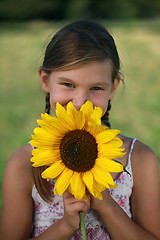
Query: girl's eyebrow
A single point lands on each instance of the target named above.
(65, 79)
(103, 83)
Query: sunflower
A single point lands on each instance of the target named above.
(78, 150)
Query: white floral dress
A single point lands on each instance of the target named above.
(46, 214)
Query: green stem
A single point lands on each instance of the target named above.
(82, 225)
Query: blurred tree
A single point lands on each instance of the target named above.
(147, 8)
(32, 9)
(112, 9)
(71, 9)
(77, 9)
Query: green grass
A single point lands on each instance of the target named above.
(135, 109)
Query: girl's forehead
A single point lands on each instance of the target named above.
(91, 72)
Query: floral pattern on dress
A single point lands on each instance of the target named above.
(46, 214)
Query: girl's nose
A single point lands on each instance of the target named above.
(79, 100)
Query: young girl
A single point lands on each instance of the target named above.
(81, 63)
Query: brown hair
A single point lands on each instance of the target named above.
(76, 44)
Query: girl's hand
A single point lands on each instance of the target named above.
(100, 205)
(72, 207)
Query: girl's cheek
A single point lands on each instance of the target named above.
(100, 102)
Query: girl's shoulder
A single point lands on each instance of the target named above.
(17, 203)
(140, 152)
(143, 160)
(20, 167)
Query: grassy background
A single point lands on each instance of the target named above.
(135, 109)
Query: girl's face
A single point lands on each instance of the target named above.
(92, 81)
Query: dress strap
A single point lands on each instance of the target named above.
(129, 167)
(131, 148)
(30, 144)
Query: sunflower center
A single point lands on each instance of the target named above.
(78, 150)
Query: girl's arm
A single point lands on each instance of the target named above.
(17, 206)
(145, 201)
(16, 216)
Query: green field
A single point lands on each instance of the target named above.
(135, 109)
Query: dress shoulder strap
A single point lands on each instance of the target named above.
(129, 167)
(30, 144)
(131, 149)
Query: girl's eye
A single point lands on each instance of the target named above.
(96, 88)
(69, 85)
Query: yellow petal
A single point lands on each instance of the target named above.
(62, 181)
(102, 177)
(71, 191)
(98, 188)
(115, 185)
(52, 125)
(95, 129)
(65, 119)
(96, 115)
(77, 186)
(109, 165)
(88, 180)
(106, 136)
(54, 170)
(46, 116)
(44, 157)
(109, 151)
(77, 116)
(49, 122)
(87, 109)
(67, 122)
(42, 134)
(60, 109)
(42, 144)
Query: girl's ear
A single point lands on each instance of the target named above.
(44, 80)
(114, 87)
